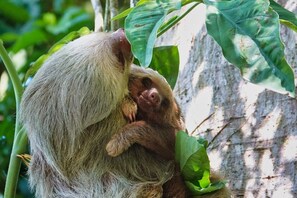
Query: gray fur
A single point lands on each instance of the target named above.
(70, 110)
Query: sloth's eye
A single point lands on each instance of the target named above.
(121, 58)
(165, 103)
(147, 82)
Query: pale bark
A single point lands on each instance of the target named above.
(252, 131)
(114, 7)
(98, 15)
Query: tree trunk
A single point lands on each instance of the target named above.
(252, 132)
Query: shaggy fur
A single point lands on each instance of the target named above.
(155, 120)
(71, 109)
(158, 119)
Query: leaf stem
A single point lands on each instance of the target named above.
(20, 137)
(16, 82)
(19, 146)
(163, 30)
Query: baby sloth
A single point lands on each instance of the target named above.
(154, 115)
(155, 118)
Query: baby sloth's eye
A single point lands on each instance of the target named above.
(147, 82)
(165, 103)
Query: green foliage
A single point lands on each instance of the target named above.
(13, 12)
(166, 61)
(32, 37)
(72, 19)
(192, 157)
(142, 24)
(247, 31)
(7, 112)
(286, 17)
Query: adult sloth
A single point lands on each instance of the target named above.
(71, 109)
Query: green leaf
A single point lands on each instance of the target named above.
(70, 19)
(9, 37)
(122, 14)
(166, 61)
(286, 17)
(185, 2)
(127, 11)
(248, 32)
(13, 12)
(69, 37)
(190, 153)
(196, 190)
(175, 19)
(35, 36)
(191, 156)
(142, 24)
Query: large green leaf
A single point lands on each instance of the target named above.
(142, 24)
(35, 36)
(191, 156)
(248, 32)
(286, 17)
(166, 61)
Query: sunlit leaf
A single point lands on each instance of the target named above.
(166, 61)
(191, 156)
(248, 32)
(35, 36)
(127, 11)
(142, 24)
(185, 2)
(286, 17)
(9, 37)
(122, 14)
(196, 190)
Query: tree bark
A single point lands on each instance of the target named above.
(252, 132)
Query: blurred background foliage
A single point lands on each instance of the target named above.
(28, 29)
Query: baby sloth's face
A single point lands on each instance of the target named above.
(154, 97)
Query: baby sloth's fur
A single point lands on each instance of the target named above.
(155, 119)
(71, 109)
(158, 118)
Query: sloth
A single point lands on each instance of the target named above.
(71, 109)
(154, 115)
(155, 118)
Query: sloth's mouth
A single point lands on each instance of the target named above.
(144, 103)
(143, 99)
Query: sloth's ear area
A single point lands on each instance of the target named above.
(121, 46)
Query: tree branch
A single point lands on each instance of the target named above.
(106, 15)
(114, 10)
(98, 15)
